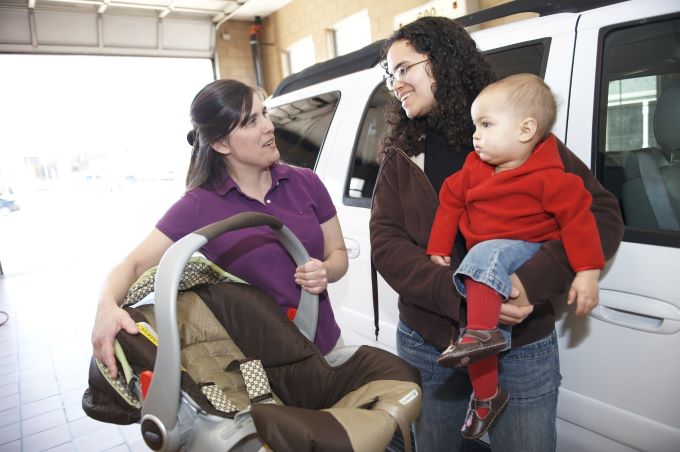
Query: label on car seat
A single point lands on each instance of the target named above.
(148, 332)
(408, 398)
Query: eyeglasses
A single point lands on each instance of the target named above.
(399, 75)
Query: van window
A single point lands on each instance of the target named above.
(638, 134)
(526, 57)
(364, 171)
(301, 128)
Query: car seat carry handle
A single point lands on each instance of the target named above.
(307, 315)
(161, 406)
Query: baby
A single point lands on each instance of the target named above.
(511, 195)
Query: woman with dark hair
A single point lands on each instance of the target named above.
(235, 168)
(435, 72)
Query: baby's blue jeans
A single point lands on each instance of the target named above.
(491, 263)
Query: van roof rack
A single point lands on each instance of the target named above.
(369, 56)
(531, 6)
(358, 60)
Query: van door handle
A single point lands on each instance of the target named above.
(637, 312)
(353, 248)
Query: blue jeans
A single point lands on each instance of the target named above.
(492, 262)
(529, 373)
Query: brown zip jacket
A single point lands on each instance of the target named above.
(404, 206)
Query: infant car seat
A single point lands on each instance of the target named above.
(231, 372)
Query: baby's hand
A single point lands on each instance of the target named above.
(585, 291)
(441, 260)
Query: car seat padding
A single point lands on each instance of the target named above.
(292, 429)
(206, 349)
(141, 354)
(306, 383)
(298, 373)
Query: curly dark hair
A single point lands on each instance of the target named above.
(460, 72)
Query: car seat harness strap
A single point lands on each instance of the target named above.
(255, 379)
(218, 398)
(398, 415)
(257, 383)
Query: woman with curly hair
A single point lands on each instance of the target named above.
(435, 72)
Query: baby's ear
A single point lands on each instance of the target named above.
(527, 129)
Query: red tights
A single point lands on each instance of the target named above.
(483, 311)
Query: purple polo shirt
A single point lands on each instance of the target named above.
(299, 199)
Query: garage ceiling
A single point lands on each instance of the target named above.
(122, 27)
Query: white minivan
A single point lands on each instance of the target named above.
(615, 68)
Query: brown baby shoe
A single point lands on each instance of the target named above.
(475, 426)
(485, 343)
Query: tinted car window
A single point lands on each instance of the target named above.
(301, 128)
(638, 134)
(527, 57)
(364, 171)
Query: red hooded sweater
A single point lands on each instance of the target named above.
(535, 202)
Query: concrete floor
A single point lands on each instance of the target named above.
(55, 252)
(44, 358)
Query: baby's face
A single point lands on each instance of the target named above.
(497, 131)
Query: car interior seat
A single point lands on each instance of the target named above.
(651, 188)
(231, 372)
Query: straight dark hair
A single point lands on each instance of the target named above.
(216, 111)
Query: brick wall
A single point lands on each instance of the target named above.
(302, 18)
(234, 56)
(298, 19)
